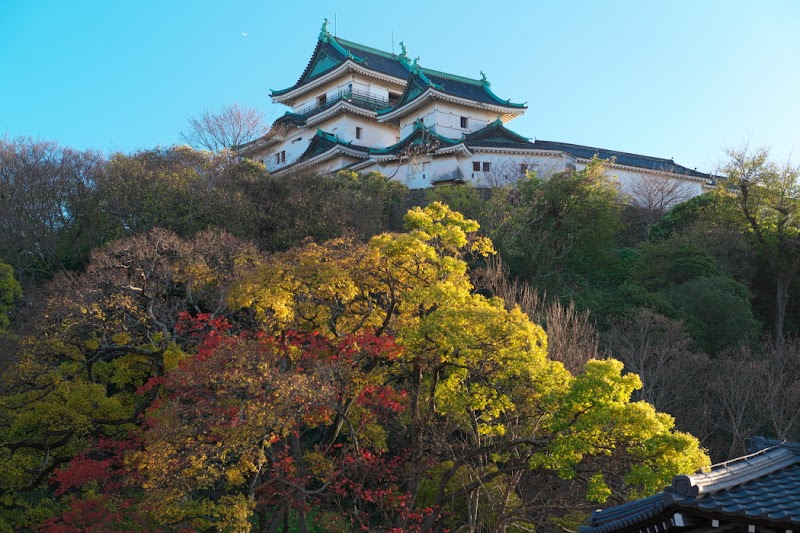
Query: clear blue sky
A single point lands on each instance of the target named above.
(681, 79)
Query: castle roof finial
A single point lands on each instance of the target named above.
(484, 80)
(403, 51)
(323, 32)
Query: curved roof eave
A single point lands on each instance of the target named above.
(506, 113)
(347, 65)
(321, 158)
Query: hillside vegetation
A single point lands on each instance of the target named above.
(191, 344)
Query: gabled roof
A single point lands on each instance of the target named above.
(467, 88)
(421, 136)
(425, 84)
(761, 488)
(331, 52)
(496, 135)
(323, 146)
(621, 158)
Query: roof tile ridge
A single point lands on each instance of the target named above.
(567, 144)
(734, 473)
(454, 77)
(365, 48)
(619, 152)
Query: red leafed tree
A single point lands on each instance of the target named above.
(270, 427)
(100, 491)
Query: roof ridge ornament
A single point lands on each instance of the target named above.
(325, 37)
(484, 80)
(323, 32)
(416, 69)
(403, 57)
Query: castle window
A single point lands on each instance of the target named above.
(486, 166)
(280, 157)
(322, 100)
(464, 122)
(476, 166)
(523, 169)
(358, 132)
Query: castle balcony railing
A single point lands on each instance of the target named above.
(358, 98)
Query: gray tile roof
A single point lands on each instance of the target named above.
(763, 487)
(621, 158)
(626, 516)
(775, 498)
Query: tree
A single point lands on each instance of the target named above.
(101, 336)
(655, 194)
(572, 338)
(340, 385)
(232, 126)
(46, 206)
(769, 200)
(657, 349)
(10, 291)
(174, 188)
(717, 311)
(478, 383)
(557, 231)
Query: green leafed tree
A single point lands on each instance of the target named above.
(769, 199)
(556, 231)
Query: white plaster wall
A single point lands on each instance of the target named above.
(374, 134)
(505, 168)
(445, 119)
(448, 119)
(427, 113)
(295, 144)
(638, 184)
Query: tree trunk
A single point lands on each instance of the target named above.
(781, 298)
(302, 526)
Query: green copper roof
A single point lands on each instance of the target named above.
(332, 51)
(420, 136)
(323, 142)
(496, 135)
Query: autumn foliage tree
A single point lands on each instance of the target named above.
(337, 386)
(103, 334)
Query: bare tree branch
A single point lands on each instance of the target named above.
(232, 126)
